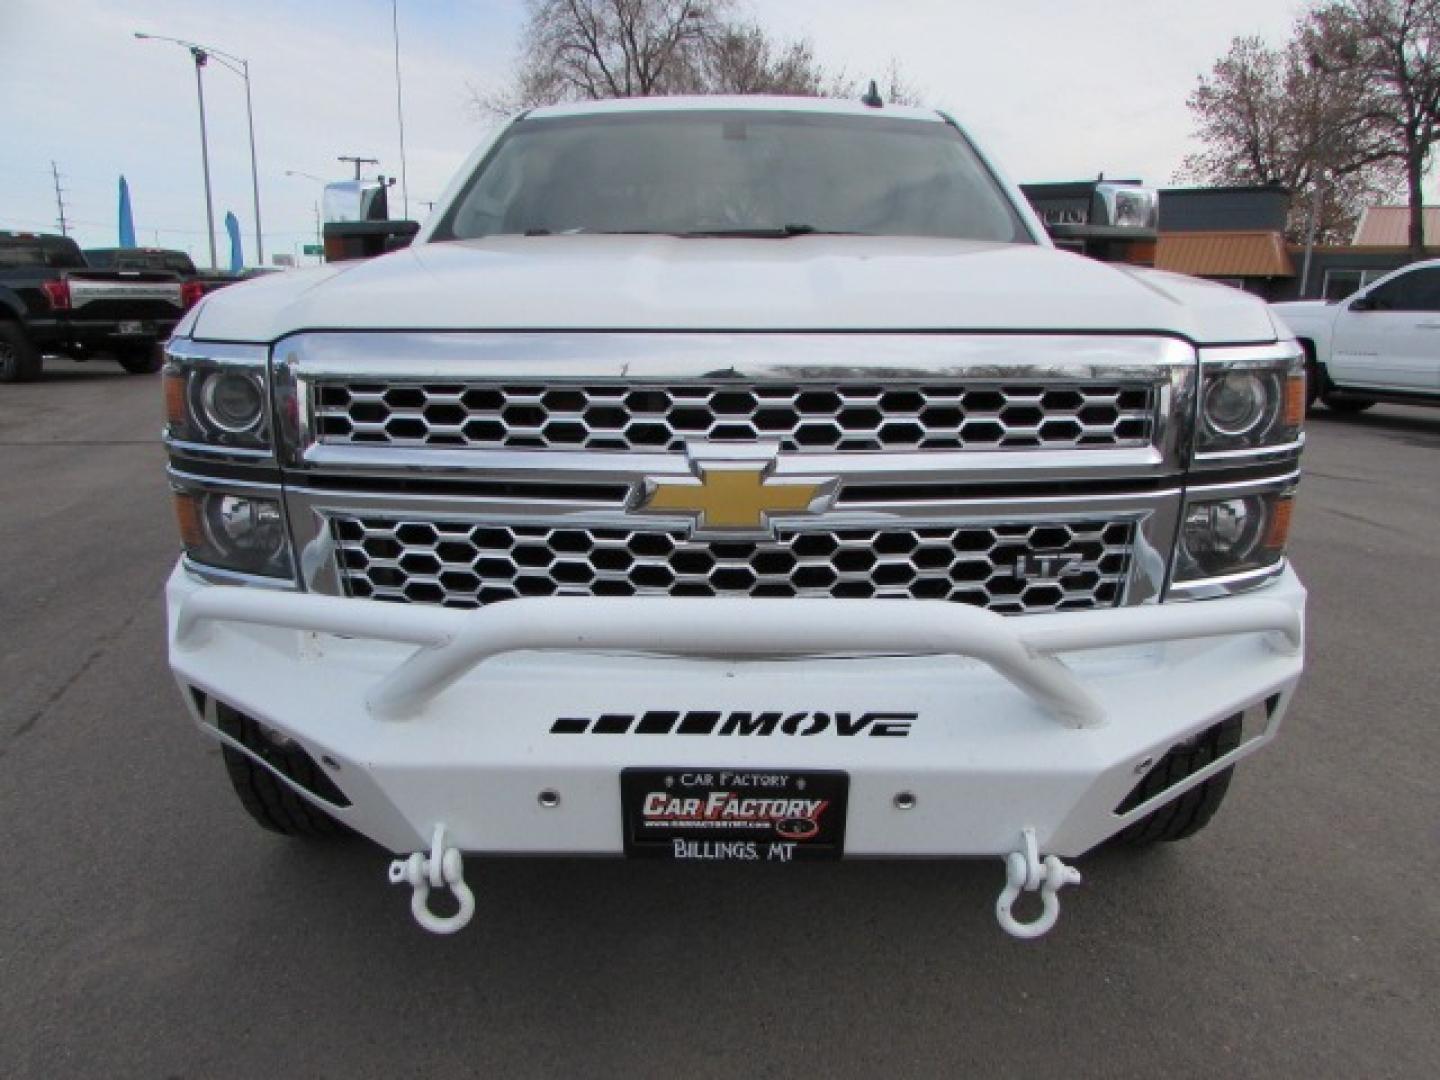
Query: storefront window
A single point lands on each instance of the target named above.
(1341, 283)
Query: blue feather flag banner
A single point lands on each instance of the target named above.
(237, 257)
(127, 221)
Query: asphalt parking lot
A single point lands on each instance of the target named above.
(148, 929)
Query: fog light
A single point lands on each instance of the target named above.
(232, 401)
(1236, 404)
(234, 532)
(244, 524)
(1222, 537)
(1224, 533)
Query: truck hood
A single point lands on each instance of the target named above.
(668, 283)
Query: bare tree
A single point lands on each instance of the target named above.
(1388, 51)
(1270, 116)
(585, 49)
(611, 48)
(743, 59)
(897, 89)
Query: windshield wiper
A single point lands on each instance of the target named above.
(594, 232)
(759, 232)
(780, 232)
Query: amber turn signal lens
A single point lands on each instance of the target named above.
(1277, 532)
(175, 399)
(189, 516)
(1295, 399)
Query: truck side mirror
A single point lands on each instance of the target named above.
(1362, 303)
(366, 239)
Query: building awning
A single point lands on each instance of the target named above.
(1238, 254)
(1389, 226)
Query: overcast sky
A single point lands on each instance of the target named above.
(1057, 89)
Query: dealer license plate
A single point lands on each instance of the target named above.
(740, 814)
(131, 328)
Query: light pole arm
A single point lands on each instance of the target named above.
(229, 60)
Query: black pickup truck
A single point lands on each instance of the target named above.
(52, 301)
(176, 262)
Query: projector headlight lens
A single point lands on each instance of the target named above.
(1237, 403)
(233, 401)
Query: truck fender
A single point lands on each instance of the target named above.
(11, 306)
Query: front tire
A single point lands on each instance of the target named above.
(1313, 379)
(140, 359)
(1347, 406)
(19, 358)
(272, 803)
(1184, 817)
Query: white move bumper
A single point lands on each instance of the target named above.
(1004, 736)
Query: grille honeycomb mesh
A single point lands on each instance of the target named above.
(800, 417)
(461, 564)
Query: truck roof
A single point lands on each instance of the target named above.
(735, 102)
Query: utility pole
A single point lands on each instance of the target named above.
(59, 199)
(319, 232)
(358, 161)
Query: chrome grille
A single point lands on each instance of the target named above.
(462, 564)
(801, 417)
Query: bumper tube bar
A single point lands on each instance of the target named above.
(452, 642)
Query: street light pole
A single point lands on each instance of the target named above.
(400, 106)
(199, 55)
(240, 66)
(254, 169)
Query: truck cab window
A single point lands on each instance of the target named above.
(1419, 290)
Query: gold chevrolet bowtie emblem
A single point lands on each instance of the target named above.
(734, 499)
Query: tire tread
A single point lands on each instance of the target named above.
(1183, 817)
(273, 804)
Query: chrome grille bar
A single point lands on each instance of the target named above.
(797, 417)
(464, 564)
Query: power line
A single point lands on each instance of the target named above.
(59, 199)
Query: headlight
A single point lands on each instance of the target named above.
(1236, 403)
(217, 396)
(240, 532)
(233, 401)
(1250, 405)
(1127, 206)
(1240, 533)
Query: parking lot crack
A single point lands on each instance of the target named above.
(28, 724)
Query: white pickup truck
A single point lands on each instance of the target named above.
(1381, 344)
(734, 479)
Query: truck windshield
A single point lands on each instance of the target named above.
(176, 262)
(740, 173)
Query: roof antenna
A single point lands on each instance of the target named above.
(872, 98)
